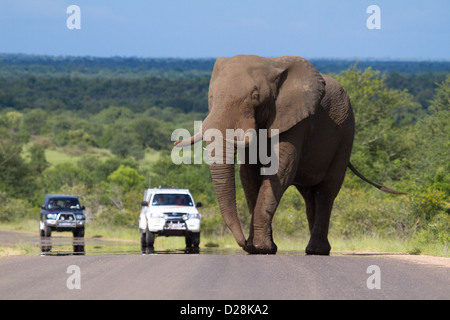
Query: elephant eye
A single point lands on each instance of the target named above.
(255, 96)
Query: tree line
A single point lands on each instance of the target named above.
(18, 65)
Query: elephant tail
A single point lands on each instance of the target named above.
(382, 188)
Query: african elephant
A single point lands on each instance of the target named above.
(315, 124)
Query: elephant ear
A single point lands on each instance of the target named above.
(299, 90)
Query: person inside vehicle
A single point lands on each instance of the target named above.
(52, 204)
(179, 201)
(67, 204)
(159, 200)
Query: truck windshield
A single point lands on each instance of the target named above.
(168, 199)
(63, 203)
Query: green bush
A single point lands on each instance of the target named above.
(111, 216)
(364, 212)
(435, 231)
(290, 218)
(12, 209)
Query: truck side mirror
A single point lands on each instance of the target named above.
(198, 204)
(144, 203)
(83, 208)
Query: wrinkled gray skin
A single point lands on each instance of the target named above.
(316, 128)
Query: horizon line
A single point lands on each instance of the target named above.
(136, 57)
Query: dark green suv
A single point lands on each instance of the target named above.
(62, 213)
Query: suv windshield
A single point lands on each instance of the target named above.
(165, 199)
(63, 203)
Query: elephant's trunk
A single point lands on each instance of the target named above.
(223, 179)
(223, 176)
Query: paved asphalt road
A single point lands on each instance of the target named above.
(223, 277)
(213, 275)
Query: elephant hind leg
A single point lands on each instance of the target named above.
(318, 211)
(318, 243)
(324, 195)
(321, 199)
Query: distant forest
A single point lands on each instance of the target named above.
(91, 84)
(120, 67)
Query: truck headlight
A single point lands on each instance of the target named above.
(156, 215)
(194, 215)
(52, 215)
(80, 216)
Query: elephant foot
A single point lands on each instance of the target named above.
(318, 247)
(268, 248)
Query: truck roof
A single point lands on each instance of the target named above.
(168, 190)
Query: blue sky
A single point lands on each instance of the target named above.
(410, 29)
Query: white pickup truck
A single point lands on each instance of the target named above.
(169, 212)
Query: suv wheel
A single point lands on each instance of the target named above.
(46, 244)
(78, 233)
(47, 232)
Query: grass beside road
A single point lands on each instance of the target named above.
(285, 244)
(21, 249)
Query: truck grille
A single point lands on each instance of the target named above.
(178, 216)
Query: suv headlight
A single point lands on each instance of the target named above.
(52, 215)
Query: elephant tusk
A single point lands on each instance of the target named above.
(189, 141)
(195, 138)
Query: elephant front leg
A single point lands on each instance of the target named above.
(260, 240)
(251, 183)
(270, 192)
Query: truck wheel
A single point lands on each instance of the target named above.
(188, 241)
(195, 239)
(149, 238)
(143, 240)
